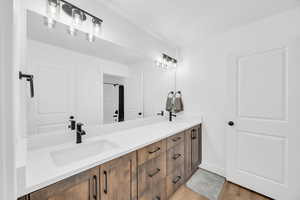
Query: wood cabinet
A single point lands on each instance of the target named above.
(175, 180)
(154, 172)
(151, 151)
(84, 186)
(175, 163)
(175, 157)
(174, 140)
(119, 178)
(193, 150)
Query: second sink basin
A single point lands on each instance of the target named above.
(81, 151)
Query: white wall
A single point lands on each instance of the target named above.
(8, 79)
(157, 83)
(82, 80)
(202, 75)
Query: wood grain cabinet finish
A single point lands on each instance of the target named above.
(174, 140)
(151, 151)
(159, 190)
(175, 157)
(119, 178)
(84, 186)
(151, 177)
(175, 180)
(193, 147)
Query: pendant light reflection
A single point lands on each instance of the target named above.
(166, 62)
(53, 9)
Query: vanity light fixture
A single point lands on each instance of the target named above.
(166, 62)
(78, 17)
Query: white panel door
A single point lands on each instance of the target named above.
(261, 118)
(110, 103)
(54, 99)
(134, 96)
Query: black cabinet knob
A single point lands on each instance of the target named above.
(231, 123)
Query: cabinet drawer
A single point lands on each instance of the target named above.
(175, 180)
(159, 191)
(155, 191)
(174, 140)
(150, 174)
(175, 157)
(151, 151)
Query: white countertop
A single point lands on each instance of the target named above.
(41, 170)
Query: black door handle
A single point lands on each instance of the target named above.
(29, 78)
(106, 184)
(231, 123)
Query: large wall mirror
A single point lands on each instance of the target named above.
(95, 82)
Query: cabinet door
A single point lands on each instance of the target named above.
(195, 148)
(192, 150)
(188, 153)
(83, 186)
(119, 178)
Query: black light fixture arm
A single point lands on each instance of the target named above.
(85, 12)
(29, 78)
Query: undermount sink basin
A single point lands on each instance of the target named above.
(81, 151)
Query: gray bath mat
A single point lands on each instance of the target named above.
(206, 184)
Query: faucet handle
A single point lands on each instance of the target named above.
(79, 126)
(72, 125)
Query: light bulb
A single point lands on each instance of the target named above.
(53, 8)
(77, 16)
(77, 19)
(97, 27)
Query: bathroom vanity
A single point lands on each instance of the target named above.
(151, 172)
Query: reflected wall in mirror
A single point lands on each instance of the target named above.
(97, 83)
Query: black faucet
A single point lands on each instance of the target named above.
(79, 133)
(171, 115)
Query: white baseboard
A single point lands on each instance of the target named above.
(213, 168)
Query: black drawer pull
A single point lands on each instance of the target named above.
(153, 174)
(176, 139)
(95, 179)
(176, 180)
(157, 198)
(105, 185)
(156, 150)
(176, 156)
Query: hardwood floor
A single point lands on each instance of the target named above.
(230, 192)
